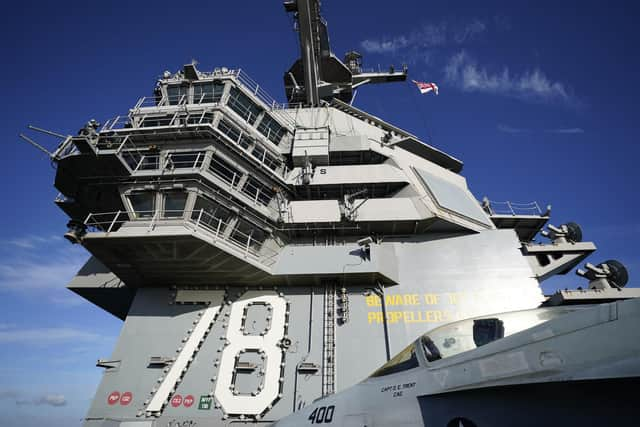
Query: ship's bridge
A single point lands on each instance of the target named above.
(209, 180)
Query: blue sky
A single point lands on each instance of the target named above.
(539, 99)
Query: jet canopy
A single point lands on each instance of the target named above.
(469, 334)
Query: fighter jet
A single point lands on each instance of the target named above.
(573, 365)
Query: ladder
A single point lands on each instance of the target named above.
(329, 342)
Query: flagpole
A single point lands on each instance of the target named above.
(419, 109)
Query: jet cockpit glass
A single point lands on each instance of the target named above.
(403, 361)
(465, 335)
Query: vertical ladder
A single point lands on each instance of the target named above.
(329, 341)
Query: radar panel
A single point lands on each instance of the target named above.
(450, 196)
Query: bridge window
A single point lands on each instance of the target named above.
(265, 158)
(271, 162)
(155, 120)
(174, 203)
(143, 204)
(191, 160)
(243, 105)
(206, 93)
(225, 171)
(258, 152)
(246, 233)
(149, 162)
(257, 191)
(270, 128)
(210, 214)
(200, 118)
(177, 94)
(235, 134)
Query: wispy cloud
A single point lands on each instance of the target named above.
(429, 35)
(469, 31)
(384, 45)
(48, 399)
(45, 336)
(566, 130)
(68, 300)
(532, 85)
(9, 395)
(510, 129)
(39, 263)
(21, 399)
(515, 130)
(32, 241)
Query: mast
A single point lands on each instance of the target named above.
(308, 15)
(323, 75)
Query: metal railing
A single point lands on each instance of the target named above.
(174, 100)
(246, 244)
(138, 120)
(140, 161)
(118, 122)
(511, 208)
(224, 172)
(256, 90)
(246, 140)
(252, 86)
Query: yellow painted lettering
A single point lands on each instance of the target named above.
(431, 299)
(373, 300)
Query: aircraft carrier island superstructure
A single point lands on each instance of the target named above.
(264, 255)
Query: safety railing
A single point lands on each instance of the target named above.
(227, 174)
(183, 99)
(137, 120)
(151, 162)
(511, 208)
(215, 227)
(184, 160)
(274, 106)
(259, 193)
(118, 122)
(105, 222)
(251, 145)
(256, 90)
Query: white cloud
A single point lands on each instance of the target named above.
(9, 394)
(427, 36)
(51, 400)
(514, 130)
(32, 241)
(68, 300)
(21, 399)
(566, 130)
(510, 129)
(464, 72)
(46, 336)
(384, 46)
(469, 31)
(52, 271)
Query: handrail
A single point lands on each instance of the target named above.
(109, 222)
(511, 208)
(175, 101)
(257, 91)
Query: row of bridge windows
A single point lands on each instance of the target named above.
(251, 187)
(206, 213)
(211, 92)
(198, 93)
